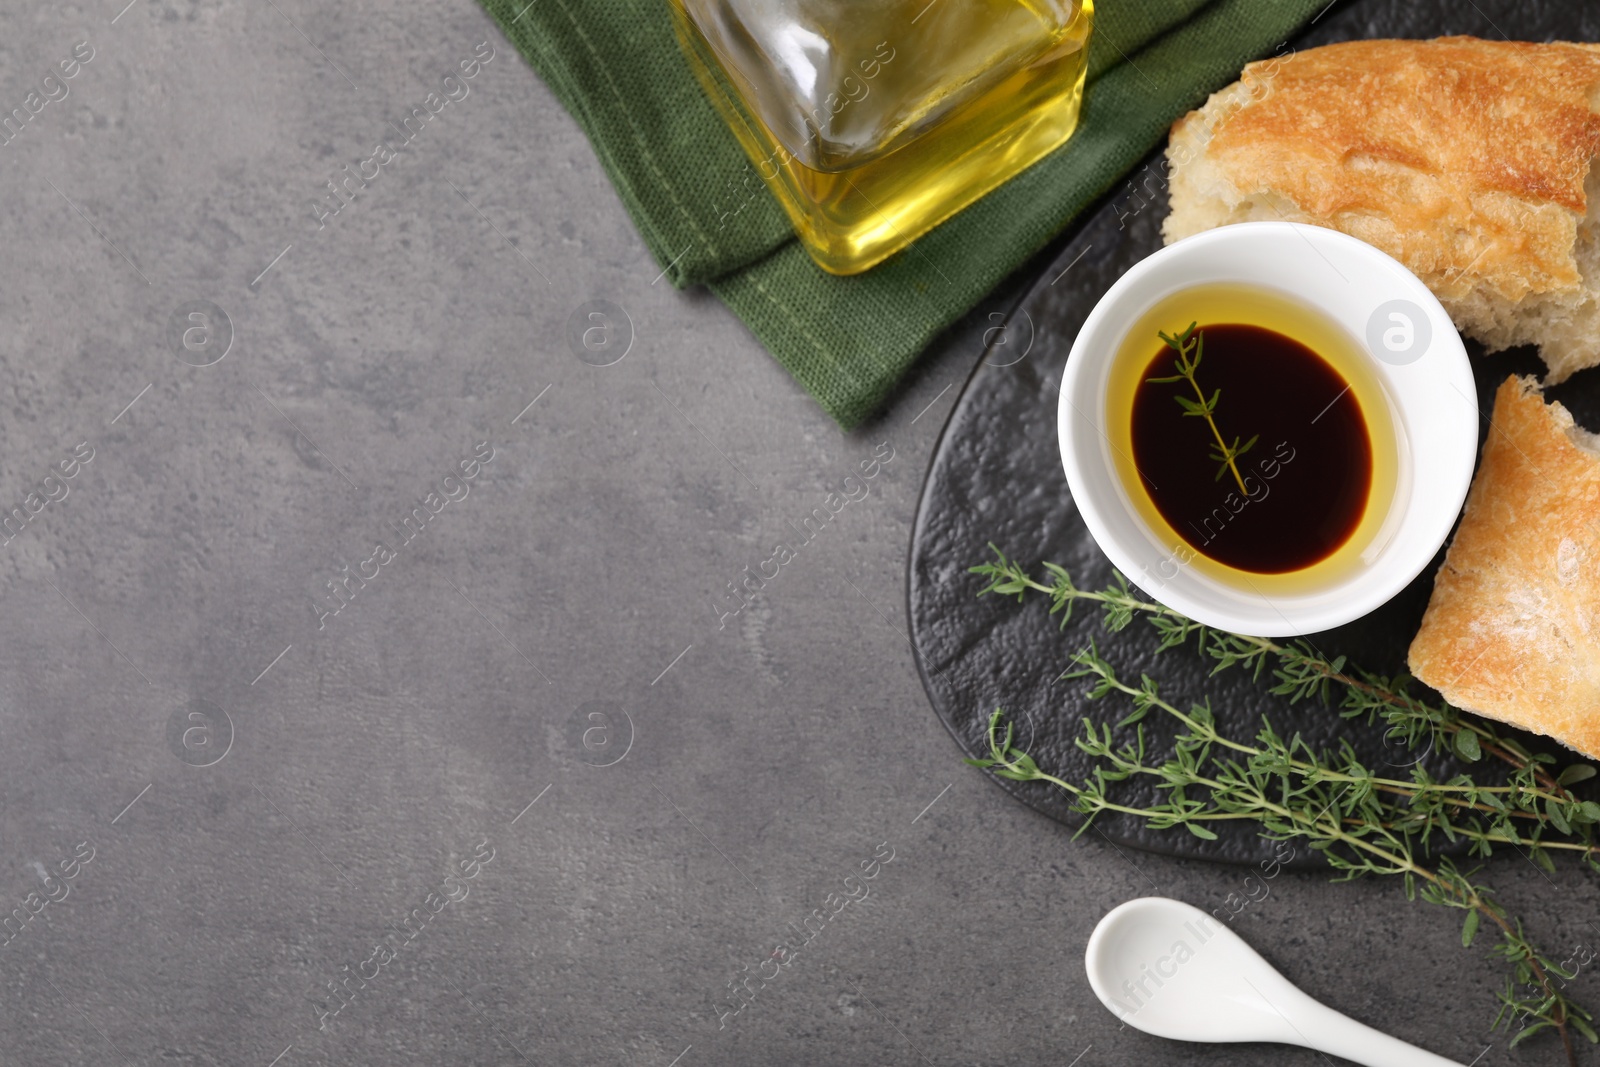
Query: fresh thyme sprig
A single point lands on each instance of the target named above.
(1301, 672)
(1349, 827)
(1362, 822)
(1457, 809)
(1226, 455)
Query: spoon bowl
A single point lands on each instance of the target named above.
(1171, 970)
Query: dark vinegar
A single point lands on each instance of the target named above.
(1306, 479)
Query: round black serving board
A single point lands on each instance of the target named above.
(996, 476)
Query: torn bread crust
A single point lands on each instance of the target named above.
(1512, 631)
(1472, 162)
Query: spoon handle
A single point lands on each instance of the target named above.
(1339, 1035)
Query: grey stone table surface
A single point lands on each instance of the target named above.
(513, 788)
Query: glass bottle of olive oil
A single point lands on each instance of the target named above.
(872, 121)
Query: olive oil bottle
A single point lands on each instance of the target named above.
(874, 122)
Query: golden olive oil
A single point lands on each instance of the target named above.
(1312, 498)
(873, 123)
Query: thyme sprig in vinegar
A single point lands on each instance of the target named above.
(1190, 346)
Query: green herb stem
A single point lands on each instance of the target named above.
(1391, 855)
(1190, 347)
(1303, 667)
(1090, 666)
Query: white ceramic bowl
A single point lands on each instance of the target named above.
(1416, 355)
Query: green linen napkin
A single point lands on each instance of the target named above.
(616, 66)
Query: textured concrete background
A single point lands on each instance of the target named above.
(533, 696)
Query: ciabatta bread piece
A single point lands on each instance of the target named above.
(1469, 161)
(1513, 629)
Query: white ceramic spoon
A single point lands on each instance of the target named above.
(1172, 970)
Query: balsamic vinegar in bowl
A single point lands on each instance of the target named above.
(1302, 451)
(1253, 438)
(1270, 382)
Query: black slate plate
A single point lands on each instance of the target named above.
(996, 477)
